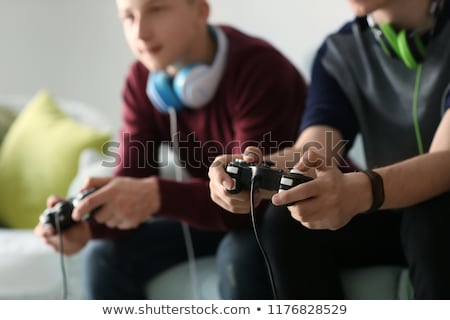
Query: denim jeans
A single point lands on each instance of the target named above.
(121, 269)
(305, 263)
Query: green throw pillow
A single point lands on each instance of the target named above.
(39, 157)
(7, 117)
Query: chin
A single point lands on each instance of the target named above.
(358, 9)
(360, 12)
(151, 64)
(364, 7)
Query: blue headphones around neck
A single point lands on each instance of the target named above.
(193, 86)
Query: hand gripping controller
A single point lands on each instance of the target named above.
(264, 177)
(63, 212)
(291, 179)
(242, 173)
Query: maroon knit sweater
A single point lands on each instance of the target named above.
(259, 101)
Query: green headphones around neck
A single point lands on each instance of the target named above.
(408, 45)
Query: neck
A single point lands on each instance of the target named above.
(406, 14)
(202, 50)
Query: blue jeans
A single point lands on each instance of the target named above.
(120, 269)
(305, 263)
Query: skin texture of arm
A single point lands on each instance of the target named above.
(329, 201)
(422, 177)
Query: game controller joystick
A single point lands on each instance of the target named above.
(243, 172)
(63, 212)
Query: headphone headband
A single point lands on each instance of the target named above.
(435, 8)
(194, 85)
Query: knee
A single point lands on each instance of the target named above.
(241, 269)
(98, 255)
(234, 247)
(97, 262)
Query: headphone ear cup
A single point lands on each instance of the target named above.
(404, 48)
(161, 92)
(193, 84)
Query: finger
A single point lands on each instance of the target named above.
(217, 173)
(104, 214)
(253, 155)
(306, 211)
(311, 159)
(90, 203)
(125, 225)
(53, 199)
(115, 220)
(238, 203)
(53, 242)
(48, 231)
(112, 222)
(42, 230)
(298, 193)
(95, 182)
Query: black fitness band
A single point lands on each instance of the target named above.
(376, 182)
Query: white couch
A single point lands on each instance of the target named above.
(29, 269)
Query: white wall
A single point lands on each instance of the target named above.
(73, 48)
(76, 48)
(296, 27)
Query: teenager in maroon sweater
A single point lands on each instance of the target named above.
(258, 100)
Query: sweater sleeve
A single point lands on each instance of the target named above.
(138, 149)
(327, 103)
(189, 202)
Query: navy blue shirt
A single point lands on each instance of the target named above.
(339, 91)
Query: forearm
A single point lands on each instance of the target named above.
(423, 177)
(415, 180)
(323, 138)
(189, 202)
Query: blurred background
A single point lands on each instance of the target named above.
(76, 49)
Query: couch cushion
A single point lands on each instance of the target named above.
(30, 269)
(7, 117)
(383, 282)
(175, 283)
(90, 164)
(39, 157)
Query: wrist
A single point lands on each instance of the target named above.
(152, 186)
(376, 188)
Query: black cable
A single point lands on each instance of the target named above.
(255, 230)
(61, 256)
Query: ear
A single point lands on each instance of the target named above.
(204, 9)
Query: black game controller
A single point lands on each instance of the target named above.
(242, 173)
(291, 179)
(265, 177)
(63, 212)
